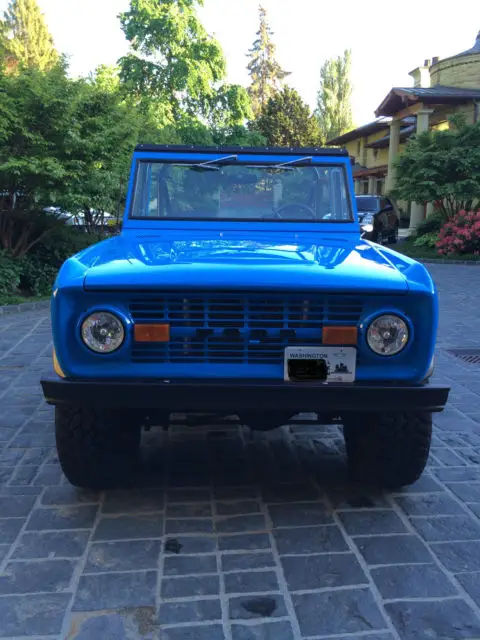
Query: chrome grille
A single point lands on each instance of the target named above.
(243, 328)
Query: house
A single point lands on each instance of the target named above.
(440, 89)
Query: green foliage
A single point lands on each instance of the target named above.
(37, 277)
(26, 40)
(265, 73)
(432, 224)
(334, 110)
(172, 59)
(286, 121)
(10, 273)
(429, 239)
(442, 167)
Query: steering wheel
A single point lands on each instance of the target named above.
(296, 210)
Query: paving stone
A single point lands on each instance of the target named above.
(238, 524)
(370, 522)
(191, 587)
(244, 542)
(16, 506)
(178, 565)
(124, 527)
(30, 577)
(192, 525)
(425, 484)
(251, 582)
(445, 528)
(192, 510)
(67, 517)
(458, 474)
(133, 501)
(254, 606)
(205, 632)
(466, 491)
(136, 622)
(9, 528)
(131, 555)
(267, 631)
(246, 561)
(189, 544)
(35, 616)
(4, 549)
(237, 508)
(434, 504)
(322, 571)
(51, 544)
(115, 590)
(471, 583)
(412, 581)
(299, 514)
(452, 619)
(309, 540)
(290, 493)
(395, 549)
(191, 611)
(68, 495)
(355, 611)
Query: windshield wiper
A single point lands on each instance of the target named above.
(211, 164)
(287, 165)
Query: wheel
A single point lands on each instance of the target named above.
(96, 448)
(265, 421)
(388, 449)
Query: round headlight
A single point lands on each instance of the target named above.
(103, 332)
(387, 335)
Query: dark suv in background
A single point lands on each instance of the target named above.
(378, 219)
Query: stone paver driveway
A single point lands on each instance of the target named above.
(241, 536)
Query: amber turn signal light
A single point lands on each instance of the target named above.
(339, 335)
(152, 332)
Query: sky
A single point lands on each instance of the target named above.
(387, 39)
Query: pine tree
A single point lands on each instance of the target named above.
(27, 41)
(334, 111)
(265, 72)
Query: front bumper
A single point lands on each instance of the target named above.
(187, 395)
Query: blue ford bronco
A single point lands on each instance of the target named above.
(239, 285)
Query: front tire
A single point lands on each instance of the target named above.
(388, 449)
(97, 448)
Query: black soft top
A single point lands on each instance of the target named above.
(284, 151)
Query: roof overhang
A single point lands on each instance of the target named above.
(401, 98)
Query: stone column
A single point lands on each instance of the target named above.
(357, 186)
(371, 184)
(392, 154)
(418, 210)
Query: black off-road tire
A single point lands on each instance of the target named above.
(388, 449)
(97, 449)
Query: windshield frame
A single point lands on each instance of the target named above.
(247, 160)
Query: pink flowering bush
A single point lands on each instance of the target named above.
(460, 235)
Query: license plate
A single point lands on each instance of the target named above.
(327, 364)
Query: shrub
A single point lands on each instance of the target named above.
(37, 277)
(430, 225)
(461, 235)
(61, 243)
(427, 240)
(10, 272)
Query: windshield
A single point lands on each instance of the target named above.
(367, 204)
(210, 190)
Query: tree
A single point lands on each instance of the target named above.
(265, 72)
(26, 40)
(442, 167)
(286, 121)
(334, 111)
(173, 60)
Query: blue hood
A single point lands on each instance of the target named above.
(281, 261)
